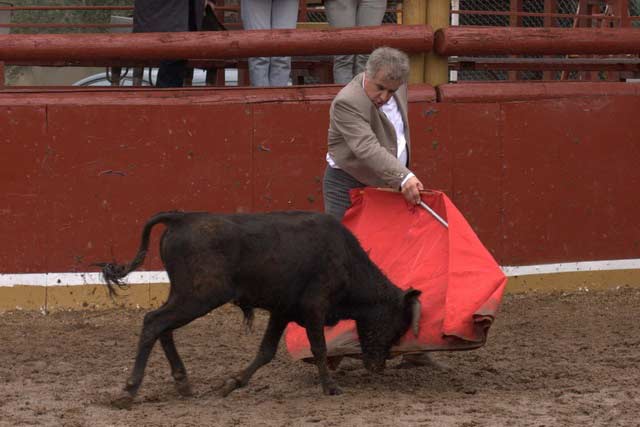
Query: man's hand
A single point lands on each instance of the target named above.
(411, 190)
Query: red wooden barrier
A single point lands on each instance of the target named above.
(547, 180)
(75, 48)
(503, 92)
(465, 63)
(469, 40)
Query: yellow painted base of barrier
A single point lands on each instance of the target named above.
(574, 281)
(148, 296)
(83, 297)
(22, 297)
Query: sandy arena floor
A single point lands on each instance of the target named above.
(556, 359)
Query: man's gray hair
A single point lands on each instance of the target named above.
(393, 63)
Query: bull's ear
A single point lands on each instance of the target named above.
(411, 298)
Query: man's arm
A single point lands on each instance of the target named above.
(362, 141)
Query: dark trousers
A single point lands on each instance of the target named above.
(172, 72)
(336, 185)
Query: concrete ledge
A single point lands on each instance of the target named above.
(152, 295)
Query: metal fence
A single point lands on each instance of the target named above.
(65, 16)
(545, 13)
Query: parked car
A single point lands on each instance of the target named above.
(149, 78)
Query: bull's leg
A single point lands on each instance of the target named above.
(267, 351)
(151, 328)
(174, 314)
(178, 371)
(315, 333)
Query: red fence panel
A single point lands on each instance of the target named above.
(551, 179)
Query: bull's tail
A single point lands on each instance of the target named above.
(113, 273)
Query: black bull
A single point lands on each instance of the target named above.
(302, 267)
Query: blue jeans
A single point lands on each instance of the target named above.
(352, 13)
(267, 15)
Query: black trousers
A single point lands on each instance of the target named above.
(172, 72)
(336, 185)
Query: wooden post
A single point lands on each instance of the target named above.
(138, 76)
(623, 7)
(302, 11)
(415, 12)
(437, 67)
(550, 6)
(514, 21)
(583, 9)
(116, 76)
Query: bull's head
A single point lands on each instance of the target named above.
(383, 325)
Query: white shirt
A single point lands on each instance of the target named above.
(391, 110)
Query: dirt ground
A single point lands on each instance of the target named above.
(560, 359)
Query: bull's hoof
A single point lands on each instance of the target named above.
(184, 388)
(228, 386)
(123, 402)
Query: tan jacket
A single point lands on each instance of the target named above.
(362, 141)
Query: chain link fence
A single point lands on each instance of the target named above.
(483, 17)
(64, 19)
(634, 10)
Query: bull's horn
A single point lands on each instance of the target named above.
(416, 312)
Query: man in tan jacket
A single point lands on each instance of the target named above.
(369, 144)
(369, 133)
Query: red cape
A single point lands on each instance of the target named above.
(461, 283)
